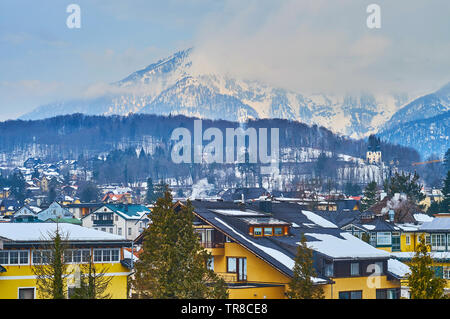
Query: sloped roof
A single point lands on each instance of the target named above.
(36, 232)
(129, 211)
(437, 224)
(280, 251)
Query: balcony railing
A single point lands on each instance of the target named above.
(104, 222)
(228, 277)
(212, 245)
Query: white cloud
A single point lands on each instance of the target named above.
(324, 46)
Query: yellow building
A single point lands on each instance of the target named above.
(22, 244)
(437, 236)
(254, 251)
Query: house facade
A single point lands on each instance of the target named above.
(254, 251)
(124, 220)
(22, 246)
(54, 211)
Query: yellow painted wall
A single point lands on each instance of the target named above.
(366, 284)
(22, 276)
(260, 271)
(257, 293)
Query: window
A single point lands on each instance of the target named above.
(129, 231)
(350, 294)
(41, 257)
(354, 269)
(238, 266)
(106, 255)
(438, 242)
(446, 272)
(373, 239)
(77, 255)
(278, 231)
(111, 230)
(378, 267)
(257, 231)
(103, 229)
(268, 231)
(384, 239)
(427, 240)
(396, 241)
(328, 269)
(116, 218)
(26, 293)
(387, 294)
(408, 240)
(85, 255)
(231, 264)
(13, 257)
(211, 263)
(119, 231)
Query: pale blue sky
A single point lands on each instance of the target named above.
(41, 60)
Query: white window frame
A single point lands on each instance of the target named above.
(408, 240)
(382, 239)
(18, 258)
(95, 250)
(438, 242)
(34, 291)
(82, 259)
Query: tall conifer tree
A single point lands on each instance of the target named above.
(173, 265)
(302, 285)
(423, 282)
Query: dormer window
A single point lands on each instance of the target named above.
(268, 231)
(257, 231)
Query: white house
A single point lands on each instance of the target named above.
(127, 220)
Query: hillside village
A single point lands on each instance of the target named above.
(251, 233)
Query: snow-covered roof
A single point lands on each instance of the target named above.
(422, 218)
(274, 253)
(347, 247)
(398, 268)
(237, 212)
(41, 231)
(318, 219)
(408, 227)
(438, 223)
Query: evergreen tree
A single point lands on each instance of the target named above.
(92, 282)
(18, 186)
(88, 192)
(445, 204)
(370, 196)
(352, 189)
(423, 282)
(365, 237)
(173, 265)
(301, 285)
(150, 196)
(447, 160)
(405, 183)
(51, 195)
(435, 208)
(52, 272)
